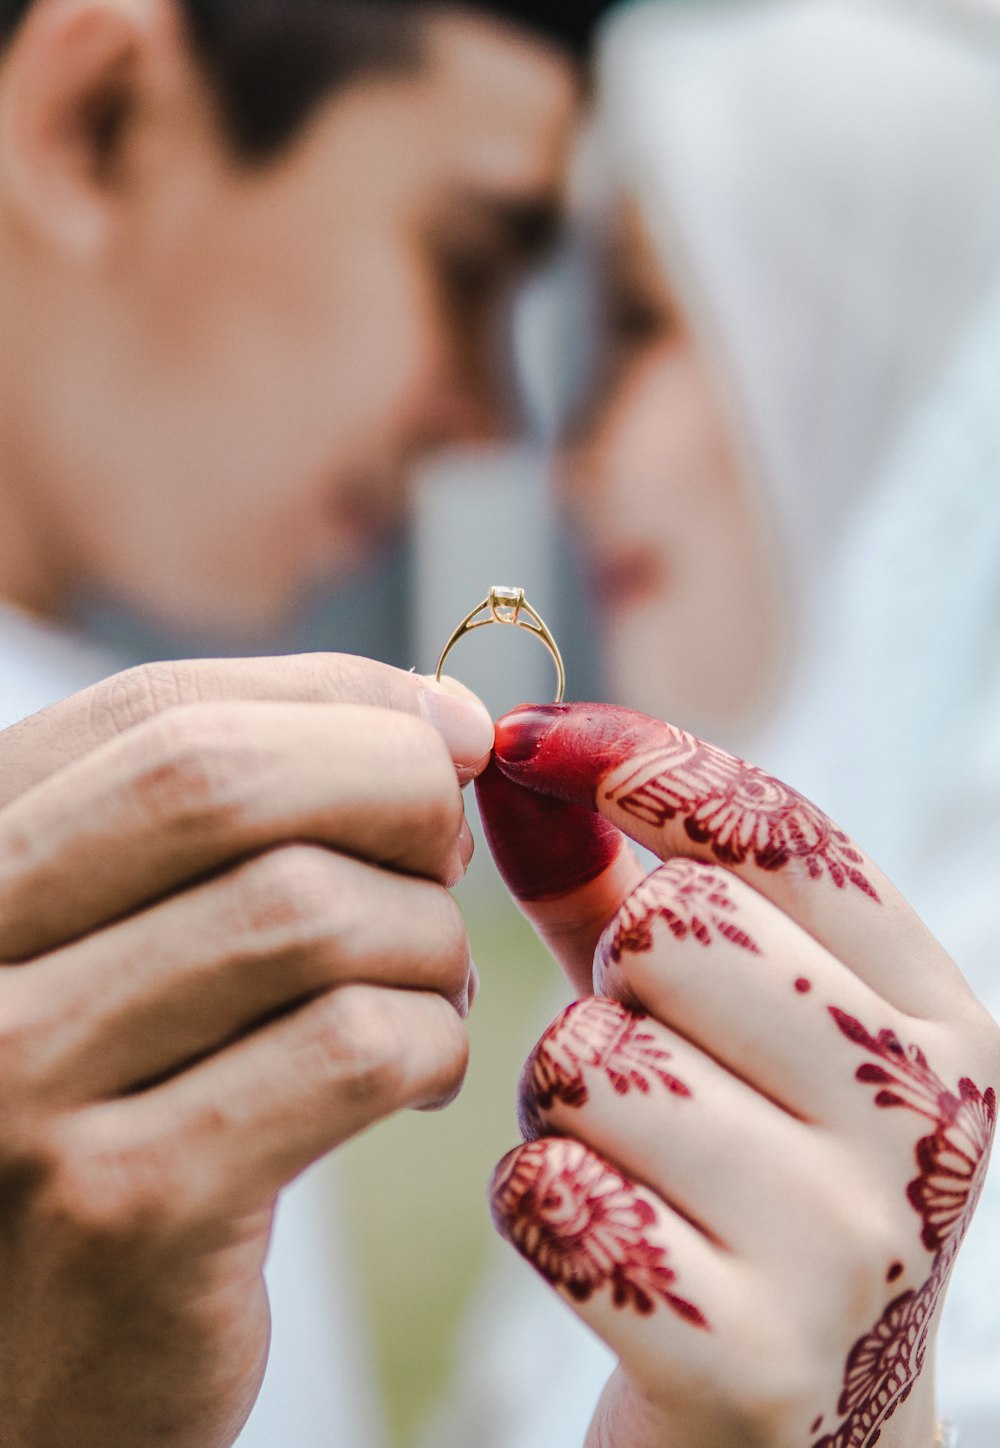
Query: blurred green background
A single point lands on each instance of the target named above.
(416, 1185)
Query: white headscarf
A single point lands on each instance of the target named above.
(822, 179)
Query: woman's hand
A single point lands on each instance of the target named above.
(756, 1143)
(229, 946)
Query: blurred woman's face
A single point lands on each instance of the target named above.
(679, 555)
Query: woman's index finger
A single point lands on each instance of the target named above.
(678, 795)
(568, 868)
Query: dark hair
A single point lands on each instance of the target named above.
(571, 22)
(271, 62)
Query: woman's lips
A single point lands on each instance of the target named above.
(629, 576)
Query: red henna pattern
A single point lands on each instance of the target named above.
(693, 902)
(598, 1035)
(953, 1166)
(954, 1157)
(584, 1227)
(882, 1369)
(738, 810)
(884, 1364)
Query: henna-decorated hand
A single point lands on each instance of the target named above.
(229, 946)
(753, 1153)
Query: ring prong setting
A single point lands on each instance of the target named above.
(506, 605)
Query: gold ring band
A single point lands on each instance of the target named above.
(508, 606)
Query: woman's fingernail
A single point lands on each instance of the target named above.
(461, 719)
(519, 735)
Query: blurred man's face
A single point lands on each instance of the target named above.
(233, 400)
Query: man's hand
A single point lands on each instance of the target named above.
(755, 1144)
(229, 946)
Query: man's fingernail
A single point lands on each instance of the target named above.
(519, 735)
(460, 718)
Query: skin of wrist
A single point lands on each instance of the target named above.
(624, 1419)
(916, 1422)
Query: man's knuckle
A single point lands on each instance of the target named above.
(100, 1196)
(88, 1198)
(15, 1041)
(195, 767)
(140, 694)
(360, 1042)
(21, 1036)
(346, 679)
(327, 678)
(291, 893)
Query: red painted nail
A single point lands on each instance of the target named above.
(520, 733)
(566, 750)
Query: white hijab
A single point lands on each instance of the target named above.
(822, 178)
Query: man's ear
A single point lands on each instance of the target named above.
(71, 83)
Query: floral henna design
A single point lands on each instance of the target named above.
(953, 1165)
(738, 810)
(883, 1367)
(592, 1035)
(952, 1160)
(693, 902)
(584, 1227)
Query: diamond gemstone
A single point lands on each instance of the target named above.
(506, 603)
